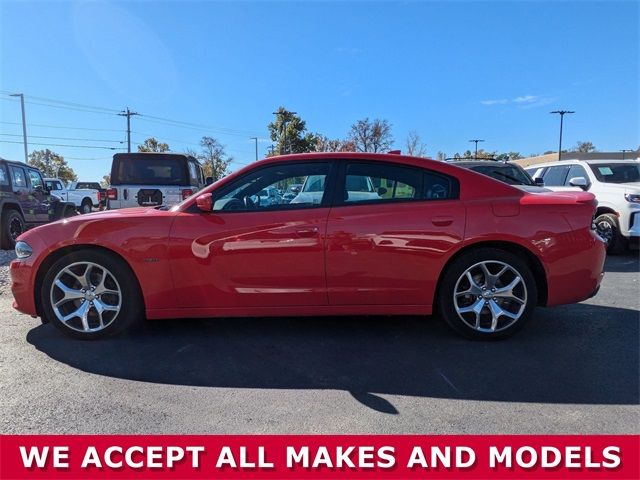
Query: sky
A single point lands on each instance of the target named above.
(450, 71)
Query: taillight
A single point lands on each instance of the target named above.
(112, 194)
(186, 193)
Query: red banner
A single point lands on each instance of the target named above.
(319, 456)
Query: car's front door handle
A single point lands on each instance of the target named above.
(307, 232)
(442, 221)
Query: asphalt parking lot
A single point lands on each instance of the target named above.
(573, 369)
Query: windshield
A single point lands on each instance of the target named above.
(314, 183)
(616, 172)
(507, 174)
(149, 171)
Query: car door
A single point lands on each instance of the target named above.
(41, 199)
(21, 190)
(250, 254)
(387, 247)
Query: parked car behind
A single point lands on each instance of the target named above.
(95, 186)
(509, 173)
(153, 179)
(481, 253)
(84, 199)
(616, 185)
(25, 201)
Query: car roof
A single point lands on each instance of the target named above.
(481, 163)
(16, 162)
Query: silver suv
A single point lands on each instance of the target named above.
(153, 179)
(616, 185)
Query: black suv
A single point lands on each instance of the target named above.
(25, 201)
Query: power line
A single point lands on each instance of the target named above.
(64, 138)
(65, 145)
(65, 127)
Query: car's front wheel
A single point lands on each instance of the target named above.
(487, 294)
(90, 294)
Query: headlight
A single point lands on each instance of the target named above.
(23, 250)
(632, 197)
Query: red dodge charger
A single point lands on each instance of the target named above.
(357, 234)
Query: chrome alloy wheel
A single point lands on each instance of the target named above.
(490, 296)
(605, 230)
(86, 297)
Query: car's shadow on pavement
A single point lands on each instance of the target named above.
(583, 354)
(629, 262)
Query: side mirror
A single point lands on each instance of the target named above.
(539, 181)
(579, 182)
(209, 180)
(382, 191)
(205, 202)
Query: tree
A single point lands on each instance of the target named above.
(415, 146)
(215, 161)
(153, 145)
(291, 128)
(506, 156)
(371, 135)
(326, 144)
(584, 147)
(442, 156)
(106, 181)
(52, 165)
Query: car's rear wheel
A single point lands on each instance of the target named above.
(86, 206)
(487, 294)
(608, 229)
(91, 294)
(12, 227)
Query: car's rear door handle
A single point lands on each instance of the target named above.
(442, 221)
(307, 232)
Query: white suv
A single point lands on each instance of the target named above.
(616, 185)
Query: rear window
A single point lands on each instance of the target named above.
(507, 174)
(94, 186)
(150, 170)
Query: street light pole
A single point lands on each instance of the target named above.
(24, 125)
(256, 139)
(476, 142)
(562, 113)
(625, 150)
(128, 113)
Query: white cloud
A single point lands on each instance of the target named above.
(494, 102)
(526, 99)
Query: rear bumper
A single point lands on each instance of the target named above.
(575, 269)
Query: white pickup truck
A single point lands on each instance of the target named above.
(83, 198)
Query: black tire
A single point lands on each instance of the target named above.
(131, 302)
(86, 206)
(12, 227)
(608, 228)
(456, 272)
(69, 211)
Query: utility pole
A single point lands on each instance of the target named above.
(562, 113)
(476, 140)
(285, 114)
(256, 139)
(24, 125)
(625, 150)
(128, 113)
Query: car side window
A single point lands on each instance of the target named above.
(259, 190)
(35, 179)
(555, 176)
(368, 182)
(576, 171)
(19, 177)
(4, 179)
